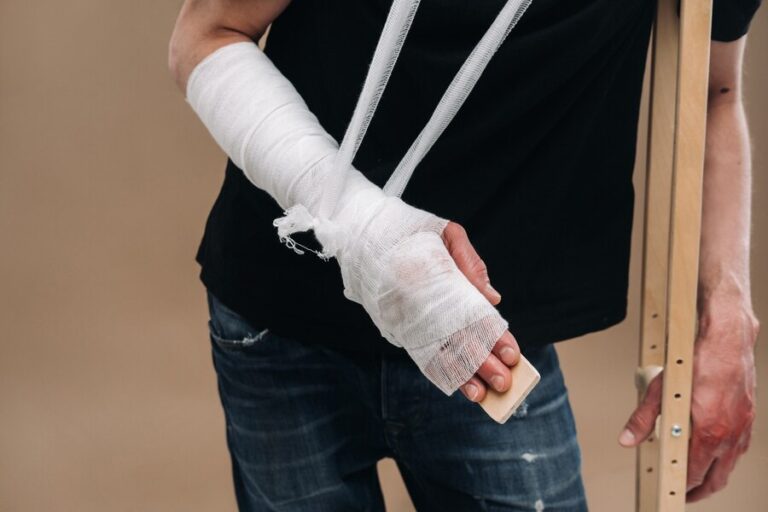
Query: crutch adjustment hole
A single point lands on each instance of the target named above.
(678, 395)
(679, 361)
(653, 347)
(674, 461)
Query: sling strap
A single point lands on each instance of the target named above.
(396, 28)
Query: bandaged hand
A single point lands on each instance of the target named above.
(395, 264)
(393, 260)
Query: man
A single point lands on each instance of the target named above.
(537, 168)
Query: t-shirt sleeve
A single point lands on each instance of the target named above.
(731, 18)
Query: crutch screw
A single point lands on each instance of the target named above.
(677, 430)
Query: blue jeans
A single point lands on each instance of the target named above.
(307, 424)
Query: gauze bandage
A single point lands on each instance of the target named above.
(391, 255)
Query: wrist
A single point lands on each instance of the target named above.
(725, 315)
(721, 283)
(374, 225)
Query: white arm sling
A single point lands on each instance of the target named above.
(392, 258)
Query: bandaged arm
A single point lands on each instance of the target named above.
(392, 258)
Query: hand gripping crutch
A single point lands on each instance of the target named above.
(675, 166)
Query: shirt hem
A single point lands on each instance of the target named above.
(598, 315)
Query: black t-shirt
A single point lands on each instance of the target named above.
(537, 165)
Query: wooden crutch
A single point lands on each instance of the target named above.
(675, 166)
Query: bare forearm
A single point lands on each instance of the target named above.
(727, 202)
(723, 392)
(203, 26)
(725, 237)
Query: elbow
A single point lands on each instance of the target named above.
(187, 49)
(199, 31)
(182, 42)
(175, 60)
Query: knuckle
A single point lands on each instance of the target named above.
(722, 329)
(453, 233)
(456, 229)
(749, 417)
(642, 420)
(714, 434)
(479, 268)
(491, 367)
(743, 446)
(695, 479)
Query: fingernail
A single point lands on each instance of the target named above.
(491, 290)
(507, 355)
(471, 391)
(627, 438)
(497, 381)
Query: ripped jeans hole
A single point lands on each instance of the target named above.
(244, 342)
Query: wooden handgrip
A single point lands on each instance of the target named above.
(501, 406)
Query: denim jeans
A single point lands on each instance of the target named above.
(306, 425)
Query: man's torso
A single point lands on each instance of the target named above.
(537, 166)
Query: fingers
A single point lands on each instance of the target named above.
(495, 373)
(474, 390)
(712, 440)
(643, 420)
(701, 456)
(507, 350)
(716, 478)
(495, 370)
(468, 261)
(491, 373)
(714, 451)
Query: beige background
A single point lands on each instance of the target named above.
(107, 395)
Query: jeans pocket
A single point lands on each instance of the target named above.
(231, 331)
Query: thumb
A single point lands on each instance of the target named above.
(643, 419)
(469, 262)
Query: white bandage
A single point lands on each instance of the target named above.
(392, 258)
